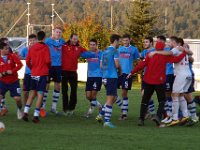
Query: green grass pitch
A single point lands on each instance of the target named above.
(78, 133)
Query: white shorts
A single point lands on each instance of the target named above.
(181, 84)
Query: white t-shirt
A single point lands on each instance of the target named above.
(182, 67)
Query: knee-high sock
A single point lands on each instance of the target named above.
(192, 109)
(108, 113)
(183, 106)
(175, 108)
(125, 106)
(56, 95)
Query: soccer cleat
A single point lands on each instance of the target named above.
(156, 120)
(43, 112)
(192, 122)
(19, 114)
(123, 117)
(90, 110)
(55, 112)
(140, 122)
(25, 117)
(166, 120)
(109, 125)
(173, 123)
(99, 119)
(183, 121)
(4, 111)
(36, 119)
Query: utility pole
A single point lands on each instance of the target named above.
(52, 21)
(28, 22)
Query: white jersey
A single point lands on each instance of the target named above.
(182, 67)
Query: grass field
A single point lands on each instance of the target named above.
(78, 133)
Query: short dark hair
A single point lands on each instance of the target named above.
(174, 38)
(162, 37)
(41, 35)
(114, 37)
(93, 40)
(181, 41)
(2, 45)
(31, 36)
(3, 39)
(71, 36)
(149, 38)
(126, 36)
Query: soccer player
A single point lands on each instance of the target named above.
(9, 65)
(39, 61)
(27, 76)
(55, 45)
(110, 66)
(181, 84)
(94, 79)
(169, 84)
(71, 51)
(127, 55)
(154, 80)
(148, 45)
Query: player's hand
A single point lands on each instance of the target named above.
(181, 48)
(151, 54)
(9, 72)
(129, 76)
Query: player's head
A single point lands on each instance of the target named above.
(4, 40)
(74, 39)
(180, 42)
(93, 44)
(4, 48)
(160, 45)
(57, 32)
(114, 40)
(161, 38)
(173, 41)
(32, 38)
(41, 36)
(126, 39)
(148, 42)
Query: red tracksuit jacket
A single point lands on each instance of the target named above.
(70, 55)
(38, 59)
(14, 64)
(156, 67)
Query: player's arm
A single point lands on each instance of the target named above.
(176, 59)
(18, 63)
(166, 53)
(28, 59)
(86, 54)
(48, 57)
(139, 67)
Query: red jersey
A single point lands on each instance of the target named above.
(14, 64)
(38, 59)
(70, 55)
(155, 72)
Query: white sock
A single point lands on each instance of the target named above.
(26, 109)
(183, 106)
(36, 112)
(56, 95)
(175, 108)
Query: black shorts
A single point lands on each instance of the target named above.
(93, 84)
(38, 83)
(191, 88)
(111, 86)
(169, 82)
(55, 73)
(125, 83)
(27, 82)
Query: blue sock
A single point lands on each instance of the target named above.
(125, 106)
(151, 107)
(119, 102)
(108, 113)
(44, 99)
(102, 112)
(192, 109)
(169, 103)
(93, 103)
(56, 95)
(36, 112)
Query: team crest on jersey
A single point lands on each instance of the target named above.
(8, 61)
(57, 48)
(76, 48)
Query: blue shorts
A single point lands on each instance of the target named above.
(191, 88)
(27, 82)
(126, 84)
(38, 83)
(169, 82)
(111, 86)
(55, 74)
(14, 89)
(93, 84)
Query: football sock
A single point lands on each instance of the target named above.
(119, 102)
(44, 99)
(36, 112)
(175, 108)
(108, 113)
(56, 95)
(183, 106)
(125, 106)
(26, 109)
(151, 107)
(192, 109)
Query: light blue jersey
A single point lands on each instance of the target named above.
(127, 55)
(109, 69)
(144, 53)
(23, 54)
(55, 47)
(169, 66)
(94, 69)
